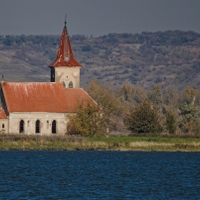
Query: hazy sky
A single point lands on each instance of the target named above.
(97, 17)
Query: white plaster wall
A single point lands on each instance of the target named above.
(30, 119)
(3, 126)
(67, 74)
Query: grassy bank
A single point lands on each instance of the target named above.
(132, 143)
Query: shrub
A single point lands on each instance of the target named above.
(88, 121)
(189, 119)
(144, 118)
(171, 122)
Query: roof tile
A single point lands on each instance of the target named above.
(65, 56)
(43, 97)
(3, 114)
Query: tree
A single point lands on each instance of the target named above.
(155, 95)
(88, 121)
(103, 95)
(171, 122)
(144, 118)
(9, 40)
(170, 97)
(189, 119)
(188, 96)
(132, 94)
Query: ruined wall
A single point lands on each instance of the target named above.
(3, 126)
(28, 125)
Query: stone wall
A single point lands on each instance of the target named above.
(3, 126)
(25, 123)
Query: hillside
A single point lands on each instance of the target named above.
(170, 58)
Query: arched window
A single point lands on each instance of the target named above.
(70, 85)
(64, 84)
(53, 128)
(47, 124)
(3, 126)
(37, 126)
(21, 126)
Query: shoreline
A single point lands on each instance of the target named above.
(111, 143)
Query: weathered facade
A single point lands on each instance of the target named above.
(3, 122)
(43, 108)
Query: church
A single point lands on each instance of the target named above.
(43, 107)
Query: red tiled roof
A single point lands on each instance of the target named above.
(65, 56)
(43, 97)
(3, 114)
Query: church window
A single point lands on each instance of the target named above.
(21, 126)
(47, 124)
(71, 85)
(64, 84)
(3, 126)
(54, 127)
(37, 126)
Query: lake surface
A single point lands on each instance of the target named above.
(99, 175)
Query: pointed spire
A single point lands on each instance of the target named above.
(65, 56)
(65, 21)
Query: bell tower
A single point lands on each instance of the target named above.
(65, 68)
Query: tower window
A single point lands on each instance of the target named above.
(70, 85)
(52, 74)
(64, 85)
(3, 126)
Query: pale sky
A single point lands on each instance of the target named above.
(97, 17)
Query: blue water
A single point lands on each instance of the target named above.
(99, 175)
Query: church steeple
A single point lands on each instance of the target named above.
(65, 56)
(65, 68)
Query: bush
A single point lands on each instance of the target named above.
(144, 118)
(189, 119)
(171, 122)
(88, 121)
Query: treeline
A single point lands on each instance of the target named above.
(31, 40)
(154, 38)
(131, 108)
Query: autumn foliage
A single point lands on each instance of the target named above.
(132, 109)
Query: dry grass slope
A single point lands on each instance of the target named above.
(170, 58)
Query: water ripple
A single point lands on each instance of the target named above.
(99, 175)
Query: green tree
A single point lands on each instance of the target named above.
(188, 96)
(170, 97)
(189, 118)
(88, 121)
(155, 95)
(104, 96)
(132, 94)
(9, 40)
(171, 122)
(144, 118)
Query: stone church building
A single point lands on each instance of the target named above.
(42, 107)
